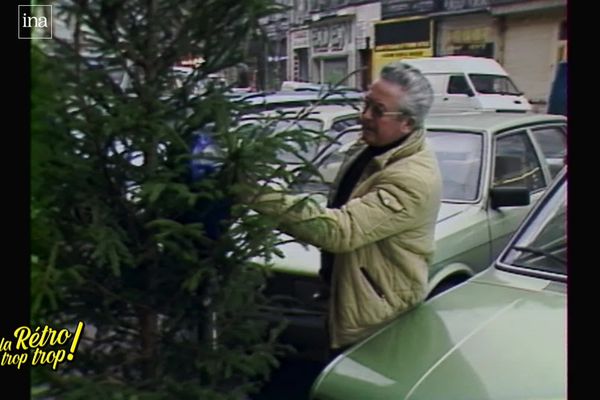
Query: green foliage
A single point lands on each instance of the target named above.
(120, 231)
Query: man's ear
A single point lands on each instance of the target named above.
(408, 124)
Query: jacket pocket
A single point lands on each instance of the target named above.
(372, 284)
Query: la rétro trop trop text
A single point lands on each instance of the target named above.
(40, 346)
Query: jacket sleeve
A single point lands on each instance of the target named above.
(388, 209)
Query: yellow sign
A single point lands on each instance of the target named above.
(399, 45)
(382, 58)
(403, 46)
(468, 36)
(40, 346)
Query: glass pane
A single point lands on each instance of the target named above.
(543, 244)
(516, 164)
(494, 84)
(458, 85)
(335, 70)
(553, 142)
(459, 155)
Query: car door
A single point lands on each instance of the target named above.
(516, 164)
(459, 95)
(439, 84)
(552, 141)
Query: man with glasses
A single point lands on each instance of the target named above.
(377, 233)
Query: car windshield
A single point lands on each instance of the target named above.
(542, 245)
(459, 156)
(494, 84)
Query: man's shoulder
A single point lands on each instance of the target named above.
(419, 170)
(422, 160)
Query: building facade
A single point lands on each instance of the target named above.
(330, 41)
(527, 37)
(532, 42)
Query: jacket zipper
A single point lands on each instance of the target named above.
(371, 282)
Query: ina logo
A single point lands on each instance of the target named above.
(35, 21)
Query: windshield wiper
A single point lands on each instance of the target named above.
(540, 252)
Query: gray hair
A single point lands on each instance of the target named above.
(419, 94)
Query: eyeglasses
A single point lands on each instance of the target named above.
(379, 112)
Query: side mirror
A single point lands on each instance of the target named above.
(470, 92)
(509, 197)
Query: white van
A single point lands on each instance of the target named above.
(463, 83)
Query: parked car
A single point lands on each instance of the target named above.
(500, 335)
(258, 102)
(493, 168)
(327, 122)
(462, 83)
(294, 86)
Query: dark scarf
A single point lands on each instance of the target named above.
(354, 172)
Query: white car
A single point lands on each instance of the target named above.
(330, 120)
(462, 83)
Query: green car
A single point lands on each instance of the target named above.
(494, 166)
(500, 335)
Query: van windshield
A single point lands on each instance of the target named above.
(494, 84)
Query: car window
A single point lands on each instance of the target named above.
(494, 84)
(542, 245)
(457, 84)
(553, 143)
(516, 163)
(459, 156)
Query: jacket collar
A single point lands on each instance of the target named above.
(413, 143)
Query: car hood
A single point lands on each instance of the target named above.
(303, 259)
(498, 336)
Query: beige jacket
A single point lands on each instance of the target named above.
(383, 237)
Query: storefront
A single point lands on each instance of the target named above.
(333, 52)
(469, 35)
(299, 55)
(534, 42)
(340, 44)
(401, 38)
(465, 27)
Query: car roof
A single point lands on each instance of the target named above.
(322, 112)
(488, 121)
(483, 121)
(454, 64)
(318, 110)
(282, 97)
